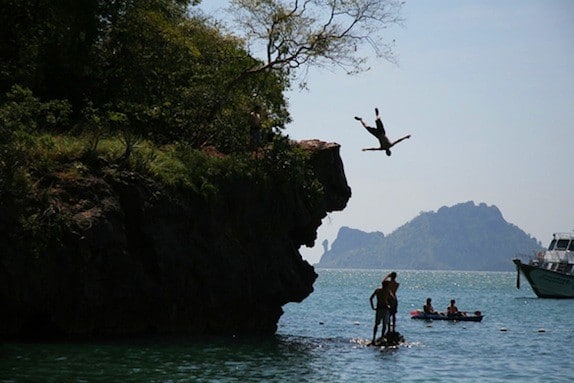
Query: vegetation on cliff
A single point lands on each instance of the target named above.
(131, 85)
(154, 86)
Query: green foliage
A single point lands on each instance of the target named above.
(172, 75)
(202, 173)
(21, 111)
(144, 85)
(279, 167)
(284, 163)
(22, 117)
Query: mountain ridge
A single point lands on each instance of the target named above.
(464, 236)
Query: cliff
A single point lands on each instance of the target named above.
(136, 258)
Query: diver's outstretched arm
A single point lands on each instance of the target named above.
(400, 139)
(373, 149)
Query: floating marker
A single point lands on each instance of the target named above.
(503, 329)
(541, 330)
(357, 323)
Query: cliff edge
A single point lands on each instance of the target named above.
(135, 258)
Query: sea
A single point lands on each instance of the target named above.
(324, 339)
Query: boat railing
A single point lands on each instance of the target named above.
(558, 266)
(561, 267)
(530, 259)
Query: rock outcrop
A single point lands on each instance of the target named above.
(136, 258)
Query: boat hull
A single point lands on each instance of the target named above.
(546, 283)
(468, 318)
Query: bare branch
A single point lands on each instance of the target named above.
(320, 33)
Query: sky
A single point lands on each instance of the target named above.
(485, 88)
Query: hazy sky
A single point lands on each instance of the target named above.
(486, 88)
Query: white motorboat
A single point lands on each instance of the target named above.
(550, 272)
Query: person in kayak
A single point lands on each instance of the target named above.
(379, 132)
(427, 308)
(452, 310)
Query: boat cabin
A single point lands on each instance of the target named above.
(560, 254)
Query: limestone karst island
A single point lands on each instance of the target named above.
(147, 182)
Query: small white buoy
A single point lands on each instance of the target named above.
(357, 323)
(503, 329)
(429, 325)
(321, 322)
(541, 330)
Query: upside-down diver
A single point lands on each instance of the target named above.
(379, 132)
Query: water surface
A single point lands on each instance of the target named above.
(521, 338)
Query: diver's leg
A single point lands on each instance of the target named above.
(370, 129)
(379, 122)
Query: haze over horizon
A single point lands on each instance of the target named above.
(487, 91)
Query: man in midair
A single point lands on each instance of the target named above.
(379, 132)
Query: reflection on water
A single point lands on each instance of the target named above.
(177, 360)
(281, 358)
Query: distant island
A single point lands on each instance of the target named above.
(465, 236)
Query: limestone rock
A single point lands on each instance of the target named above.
(135, 258)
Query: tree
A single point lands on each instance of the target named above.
(142, 68)
(46, 46)
(299, 34)
(294, 34)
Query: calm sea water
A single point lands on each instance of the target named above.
(521, 338)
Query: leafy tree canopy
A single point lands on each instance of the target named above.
(164, 69)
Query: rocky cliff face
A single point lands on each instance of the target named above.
(138, 259)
